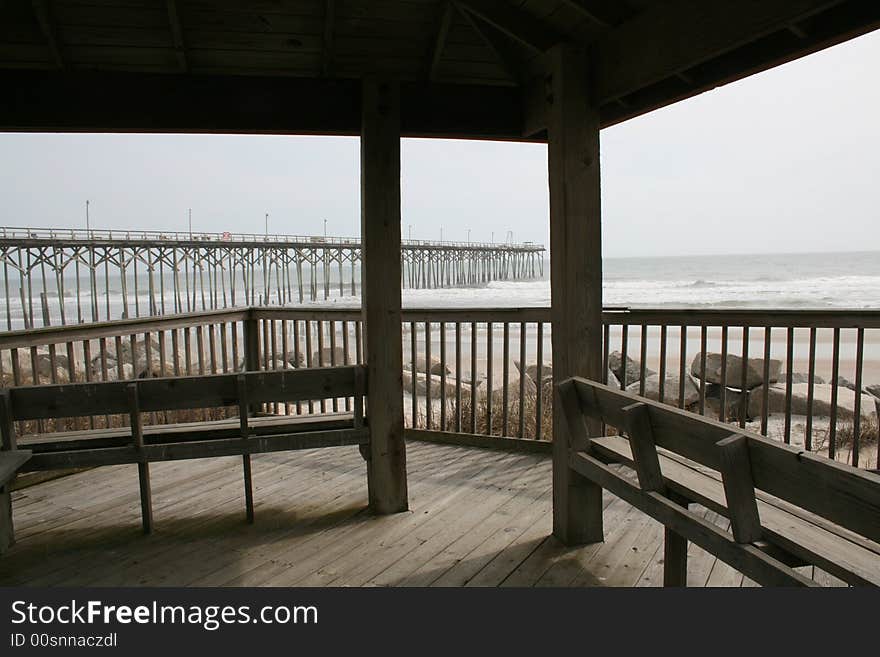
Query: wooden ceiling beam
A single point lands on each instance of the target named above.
(680, 34)
(177, 35)
(54, 101)
(47, 26)
(443, 24)
(327, 49)
(515, 23)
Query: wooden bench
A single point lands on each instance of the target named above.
(787, 507)
(245, 435)
(10, 463)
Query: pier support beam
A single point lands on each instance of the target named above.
(575, 275)
(381, 293)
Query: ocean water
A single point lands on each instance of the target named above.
(815, 280)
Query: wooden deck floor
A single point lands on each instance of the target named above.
(477, 518)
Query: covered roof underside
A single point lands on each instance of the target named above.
(468, 68)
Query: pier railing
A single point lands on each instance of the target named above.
(488, 371)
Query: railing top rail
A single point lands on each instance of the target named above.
(716, 317)
(74, 332)
(19, 233)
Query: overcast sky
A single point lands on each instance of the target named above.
(785, 161)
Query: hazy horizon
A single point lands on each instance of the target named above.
(781, 162)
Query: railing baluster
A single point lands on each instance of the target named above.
(811, 381)
(346, 359)
(234, 339)
(857, 402)
(224, 349)
(489, 378)
(428, 400)
(624, 346)
(321, 363)
(789, 357)
(661, 390)
(522, 380)
(505, 381)
(187, 349)
(643, 357)
(704, 334)
(200, 345)
(458, 376)
(744, 395)
(474, 403)
(413, 363)
(722, 403)
(765, 391)
(539, 384)
(443, 400)
(309, 363)
(297, 355)
(682, 363)
(835, 374)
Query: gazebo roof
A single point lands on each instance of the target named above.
(469, 68)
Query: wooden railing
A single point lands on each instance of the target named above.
(462, 367)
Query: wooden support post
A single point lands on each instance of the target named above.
(243, 403)
(137, 434)
(576, 276)
(381, 272)
(675, 551)
(736, 473)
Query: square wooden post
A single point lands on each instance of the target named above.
(381, 275)
(575, 275)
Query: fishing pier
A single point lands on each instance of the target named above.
(53, 275)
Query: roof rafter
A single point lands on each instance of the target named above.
(515, 23)
(497, 44)
(47, 26)
(680, 34)
(439, 44)
(327, 52)
(604, 12)
(177, 35)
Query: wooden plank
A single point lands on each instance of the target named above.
(749, 559)
(576, 277)
(381, 294)
(736, 472)
(477, 440)
(637, 422)
(77, 399)
(196, 449)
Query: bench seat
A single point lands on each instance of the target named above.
(810, 538)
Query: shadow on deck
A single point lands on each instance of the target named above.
(477, 518)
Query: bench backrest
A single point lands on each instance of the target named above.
(842, 494)
(188, 392)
